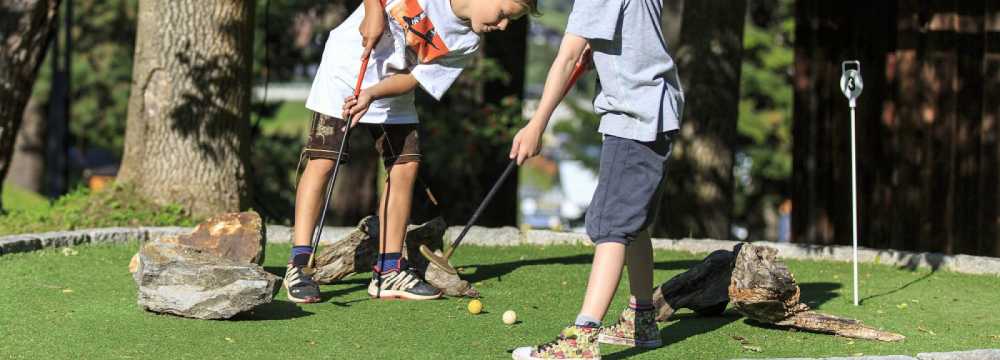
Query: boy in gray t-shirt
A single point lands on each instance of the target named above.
(640, 103)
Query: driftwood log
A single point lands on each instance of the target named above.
(358, 251)
(760, 288)
(704, 288)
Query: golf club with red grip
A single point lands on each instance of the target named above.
(442, 261)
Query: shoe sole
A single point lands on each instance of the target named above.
(614, 340)
(402, 295)
(529, 357)
(299, 300)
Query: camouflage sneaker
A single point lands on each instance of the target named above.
(575, 342)
(634, 328)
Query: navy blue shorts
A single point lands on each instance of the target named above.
(628, 187)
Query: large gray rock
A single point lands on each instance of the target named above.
(182, 280)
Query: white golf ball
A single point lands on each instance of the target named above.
(509, 317)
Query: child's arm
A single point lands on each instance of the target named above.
(372, 26)
(527, 141)
(395, 85)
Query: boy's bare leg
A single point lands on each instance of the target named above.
(308, 202)
(639, 258)
(309, 199)
(400, 190)
(605, 273)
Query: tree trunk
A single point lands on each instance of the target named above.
(187, 134)
(25, 28)
(27, 166)
(698, 197)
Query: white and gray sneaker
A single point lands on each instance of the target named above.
(300, 286)
(401, 284)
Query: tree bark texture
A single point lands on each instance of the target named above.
(763, 290)
(188, 119)
(927, 131)
(698, 194)
(27, 166)
(25, 29)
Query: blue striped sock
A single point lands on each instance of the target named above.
(300, 255)
(389, 262)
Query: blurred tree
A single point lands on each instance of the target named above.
(698, 195)
(187, 139)
(470, 130)
(25, 28)
(764, 157)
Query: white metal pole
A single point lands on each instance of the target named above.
(854, 204)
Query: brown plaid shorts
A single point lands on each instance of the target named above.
(397, 144)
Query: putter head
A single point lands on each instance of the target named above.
(440, 261)
(309, 270)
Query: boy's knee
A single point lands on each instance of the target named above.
(406, 170)
(319, 165)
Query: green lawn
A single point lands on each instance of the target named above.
(17, 198)
(83, 306)
(291, 118)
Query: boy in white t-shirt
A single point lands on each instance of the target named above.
(408, 43)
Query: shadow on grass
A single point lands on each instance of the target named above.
(497, 271)
(278, 271)
(275, 310)
(818, 293)
(682, 327)
(901, 288)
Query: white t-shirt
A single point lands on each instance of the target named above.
(424, 37)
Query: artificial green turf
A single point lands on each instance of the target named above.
(84, 306)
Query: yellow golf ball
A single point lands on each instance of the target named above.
(509, 317)
(475, 307)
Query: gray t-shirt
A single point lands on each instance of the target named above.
(639, 92)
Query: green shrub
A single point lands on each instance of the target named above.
(118, 206)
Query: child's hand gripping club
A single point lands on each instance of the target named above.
(442, 261)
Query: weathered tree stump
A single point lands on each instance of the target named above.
(704, 288)
(760, 288)
(763, 290)
(358, 251)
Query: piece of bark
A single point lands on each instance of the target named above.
(704, 288)
(358, 251)
(451, 284)
(763, 290)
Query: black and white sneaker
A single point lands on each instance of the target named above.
(402, 284)
(300, 286)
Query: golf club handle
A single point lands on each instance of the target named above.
(578, 70)
(482, 206)
(318, 230)
(361, 77)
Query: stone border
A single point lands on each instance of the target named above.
(986, 354)
(511, 236)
